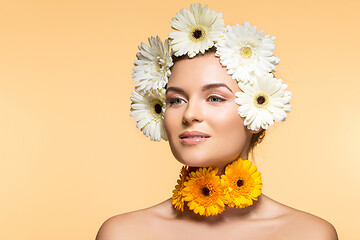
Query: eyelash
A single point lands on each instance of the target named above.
(220, 99)
(172, 100)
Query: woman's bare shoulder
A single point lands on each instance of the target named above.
(131, 225)
(286, 222)
(311, 226)
(305, 225)
(117, 227)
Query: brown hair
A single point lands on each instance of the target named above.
(256, 138)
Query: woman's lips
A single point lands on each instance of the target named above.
(193, 137)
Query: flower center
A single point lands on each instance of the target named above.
(205, 191)
(198, 34)
(246, 52)
(261, 99)
(239, 183)
(158, 108)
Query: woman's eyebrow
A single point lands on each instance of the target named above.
(175, 89)
(215, 85)
(204, 88)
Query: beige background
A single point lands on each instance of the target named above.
(71, 155)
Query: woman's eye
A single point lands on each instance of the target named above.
(175, 101)
(215, 99)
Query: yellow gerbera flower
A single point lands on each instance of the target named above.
(242, 183)
(177, 197)
(204, 193)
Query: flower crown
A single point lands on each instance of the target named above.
(246, 53)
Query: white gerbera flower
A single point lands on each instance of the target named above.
(287, 106)
(198, 30)
(263, 102)
(152, 68)
(247, 54)
(148, 109)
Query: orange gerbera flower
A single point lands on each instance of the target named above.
(242, 183)
(204, 192)
(177, 197)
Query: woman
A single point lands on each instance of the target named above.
(220, 96)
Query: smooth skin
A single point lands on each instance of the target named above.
(200, 97)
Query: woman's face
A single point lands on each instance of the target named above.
(201, 119)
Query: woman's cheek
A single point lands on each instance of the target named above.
(224, 116)
(170, 121)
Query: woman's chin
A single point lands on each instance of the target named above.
(205, 161)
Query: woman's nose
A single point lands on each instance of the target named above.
(193, 113)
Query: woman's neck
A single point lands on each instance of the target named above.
(221, 166)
